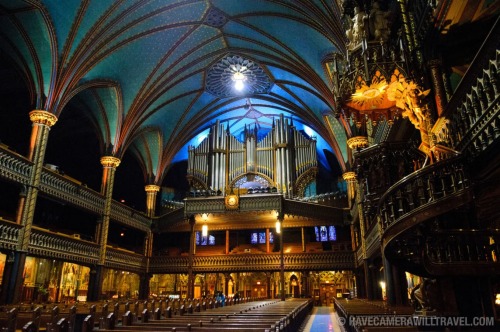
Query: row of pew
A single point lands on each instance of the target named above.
(104, 315)
(350, 309)
(255, 316)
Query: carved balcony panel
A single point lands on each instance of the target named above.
(169, 219)
(204, 205)
(70, 190)
(427, 193)
(9, 234)
(471, 252)
(333, 215)
(260, 202)
(471, 121)
(261, 262)
(13, 166)
(16, 168)
(120, 259)
(63, 247)
(130, 217)
(372, 240)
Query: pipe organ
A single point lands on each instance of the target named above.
(284, 159)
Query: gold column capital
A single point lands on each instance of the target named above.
(43, 117)
(349, 176)
(357, 142)
(110, 161)
(152, 188)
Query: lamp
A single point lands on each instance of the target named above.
(239, 79)
(278, 226)
(204, 230)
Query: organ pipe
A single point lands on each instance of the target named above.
(282, 156)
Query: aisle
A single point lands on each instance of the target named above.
(322, 319)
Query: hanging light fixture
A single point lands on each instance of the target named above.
(239, 79)
(204, 228)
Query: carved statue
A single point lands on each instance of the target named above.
(409, 97)
(425, 296)
(357, 30)
(379, 23)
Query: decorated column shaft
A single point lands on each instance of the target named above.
(42, 122)
(190, 287)
(109, 164)
(282, 261)
(438, 85)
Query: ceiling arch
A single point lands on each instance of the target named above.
(159, 54)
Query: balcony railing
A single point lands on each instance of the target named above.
(462, 252)
(48, 244)
(61, 246)
(471, 121)
(268, 262)
(15, 167)
(408, 202)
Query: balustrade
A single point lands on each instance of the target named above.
(61, 246)
(9, 234)
(15, 167)
(463, 246)
(221, 263)
(424, 187)
(118, 259)
(473, 121)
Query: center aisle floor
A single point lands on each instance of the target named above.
(322, 319)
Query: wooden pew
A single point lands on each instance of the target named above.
(263, 316)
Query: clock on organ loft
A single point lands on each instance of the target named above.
(232, 201)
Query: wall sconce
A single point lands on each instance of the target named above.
(204, 230)
(278, 226)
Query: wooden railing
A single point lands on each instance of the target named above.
(14, 167)
(259, 262)
(471, 120)
(409, 201)
(462, 252)
(48, 244)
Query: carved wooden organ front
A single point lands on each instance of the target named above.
(284, 159)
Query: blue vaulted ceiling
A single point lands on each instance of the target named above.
(139, 68)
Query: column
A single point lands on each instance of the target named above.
(151, 194)
(305, 284)
(227, 241)
(303, 239)
(368, 280)
(438, 86)
(190, 286)
(109, 164)
(367, 272)
(282, 261)
(390, 290)
(350, 178)
(268, 245)
(42, 122)
(268, 284)
(227, 277)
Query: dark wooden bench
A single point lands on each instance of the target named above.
(272, 316)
